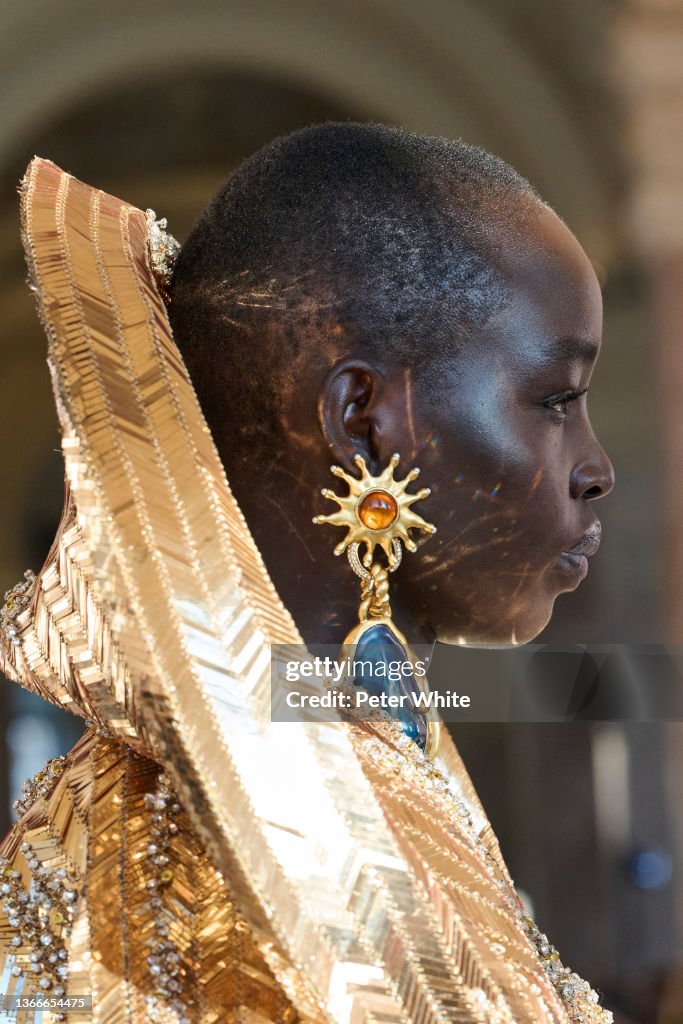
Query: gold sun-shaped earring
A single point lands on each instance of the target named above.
(376, 512)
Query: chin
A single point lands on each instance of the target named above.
(525, 626)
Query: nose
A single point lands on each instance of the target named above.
(592, 477)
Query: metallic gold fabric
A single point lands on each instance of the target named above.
(322, 872)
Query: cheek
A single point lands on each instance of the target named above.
(499, 492)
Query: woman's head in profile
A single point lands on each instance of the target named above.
(354, 288)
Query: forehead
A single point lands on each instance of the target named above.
(555, 309)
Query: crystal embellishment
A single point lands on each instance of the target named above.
(163, 247)
(41, 785)
(41, 917)
(163, 962)
(15, 601)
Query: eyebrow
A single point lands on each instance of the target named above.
(577, 348)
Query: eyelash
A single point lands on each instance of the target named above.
(565, 398)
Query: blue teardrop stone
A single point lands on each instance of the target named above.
(378, 645)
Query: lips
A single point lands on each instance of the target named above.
(575, 559)
(589, 542)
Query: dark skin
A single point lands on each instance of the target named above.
(505, 445)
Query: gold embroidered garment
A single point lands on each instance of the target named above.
(190, 860)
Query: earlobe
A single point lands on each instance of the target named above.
(347, 405)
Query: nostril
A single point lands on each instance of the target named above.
(592, 479)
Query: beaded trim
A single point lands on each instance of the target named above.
(163, 960)
(40, 918)
(42, 784)
(15, 601)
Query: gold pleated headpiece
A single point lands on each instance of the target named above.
(365, 881)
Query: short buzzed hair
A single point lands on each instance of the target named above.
(363, 231)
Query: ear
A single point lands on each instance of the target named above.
(350, 413)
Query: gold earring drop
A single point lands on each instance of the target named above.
(377, 512)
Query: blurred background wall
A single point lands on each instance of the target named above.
(157, 103)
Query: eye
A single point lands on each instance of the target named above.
(560, 403)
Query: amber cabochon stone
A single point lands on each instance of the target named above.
(378, 510)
